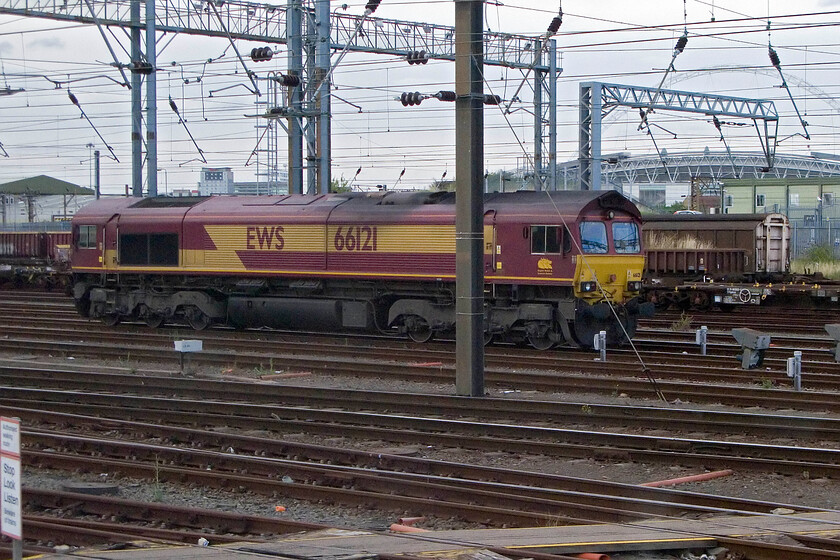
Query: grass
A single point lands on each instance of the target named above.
(819, 258)
(683, 323)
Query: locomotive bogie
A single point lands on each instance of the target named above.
(382, 262)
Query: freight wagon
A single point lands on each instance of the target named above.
(34, 257)
(722, 260)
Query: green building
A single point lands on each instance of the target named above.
(810, 204)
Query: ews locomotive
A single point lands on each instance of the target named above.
(554, 263)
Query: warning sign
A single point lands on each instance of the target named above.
(12, 520)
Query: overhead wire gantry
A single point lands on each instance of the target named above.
(301, 25)
(597, 100)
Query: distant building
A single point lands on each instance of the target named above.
(215, 180)
(40, 199)
(219, 180)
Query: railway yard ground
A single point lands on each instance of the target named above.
(266, 434)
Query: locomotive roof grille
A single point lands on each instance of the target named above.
(169, 202)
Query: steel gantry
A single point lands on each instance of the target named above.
(311, 32)
(598, 99)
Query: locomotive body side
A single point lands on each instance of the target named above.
(373, 261)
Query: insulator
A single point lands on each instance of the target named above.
(73, 99)
(261, 54)
(555, 25)
(446, 95)
(404, 99)
(492, 99)
(141, 68)
(417, 98)
(289, 80)
(716, 122)
(774, 57)
(173, 106)
(417, 57)
(372, 5)
(681, 43)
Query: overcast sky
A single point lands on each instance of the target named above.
(610, 41)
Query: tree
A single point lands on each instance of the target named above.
(340, 185)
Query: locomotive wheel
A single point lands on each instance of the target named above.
(540, 342)
(488, 338)
(418, 329)
(197, 319)
(111, 319)
(154, 321)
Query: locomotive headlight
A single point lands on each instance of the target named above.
(588, 286)
(634, 286)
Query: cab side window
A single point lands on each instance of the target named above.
(545, 240)
(86, 237)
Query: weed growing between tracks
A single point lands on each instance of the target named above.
(683, 323)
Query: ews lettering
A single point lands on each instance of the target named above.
(266, 237)
(355, 238)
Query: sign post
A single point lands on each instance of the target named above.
(12, 516)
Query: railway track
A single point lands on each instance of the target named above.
(566, 372)
(265, 465)
(487, 432)
(68, 411)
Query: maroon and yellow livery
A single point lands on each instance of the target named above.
(371, 261)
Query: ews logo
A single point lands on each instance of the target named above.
(264, 238)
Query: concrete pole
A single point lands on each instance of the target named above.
(322, 73)
(294, 41)
(136, 104)
(469, 204)
(151, 100)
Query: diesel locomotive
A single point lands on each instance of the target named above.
(559, 267)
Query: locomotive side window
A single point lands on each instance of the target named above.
(86, 237)
(159, 249)
(545, 240)
(626, 237)
(593, 237)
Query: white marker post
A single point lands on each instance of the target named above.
(12, 516)
(187, 347)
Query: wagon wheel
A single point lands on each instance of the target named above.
(110, 319)
(154, 320)
(418, 329)
(197, 319)
(702, 301)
